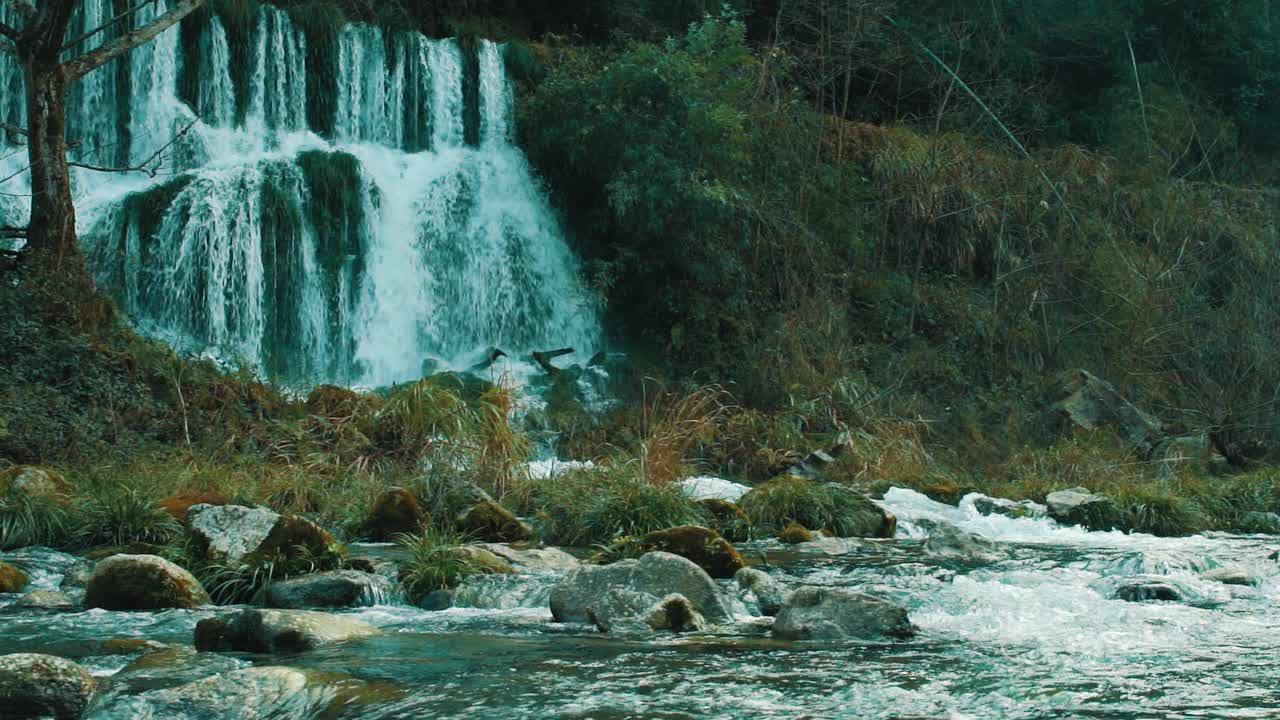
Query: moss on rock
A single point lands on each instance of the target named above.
(12, 580)
(703, 546)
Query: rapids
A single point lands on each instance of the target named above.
(1032, 635)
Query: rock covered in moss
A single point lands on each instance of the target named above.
(487, 521)
(534, 560)
(12, 580)
(395, 512)
(142, 582)
(481, 560)
(35, 482)
(795, 534)
(34, 686)
(702, 546)
(339, 588)
(267, 631)
(657, 574)
(814, 613)
(820, 506)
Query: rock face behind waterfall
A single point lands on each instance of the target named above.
(654, 576)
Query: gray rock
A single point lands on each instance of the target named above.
(543, 560)
(621, 609)
(340, 588)
(142, 582)
(1091, 402)
(768, 593)
(948, 541)
(1233, 575)
(1148, 590)
(437, 600)
(246, 694)
(1163, 588)
(229, 532)
(265, 631)
(45, 600)
(77, 576)
(657, 574)
(43, 686)
(1008, 508)
(1079, 506)
(1262, 523)
(813, 613)
(1187, 451)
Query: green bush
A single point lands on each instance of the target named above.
(433, 563)
(120, 515)
(34, 520)
(784, 501)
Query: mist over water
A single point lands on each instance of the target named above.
(358, 229)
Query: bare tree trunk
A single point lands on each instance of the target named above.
(52, 234)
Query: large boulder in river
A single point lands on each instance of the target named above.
(657, 574)
(33, 686)
(534, 560)
(1079, 506)
(238, 534)
(12, 580)
(622, 611)
(814, 613)
(245, 694)
(267, 631)
(701, 545)
(1091, 402)
(142, 582)
(487, 521)
(395, 512)
(340, 588)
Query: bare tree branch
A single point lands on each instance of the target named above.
(143, 166)
(110, 23)
(91, 61)
(10, 232)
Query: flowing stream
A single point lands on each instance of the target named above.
(1033, 632)
(346, 208)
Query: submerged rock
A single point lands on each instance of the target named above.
(488, 521)
(703, 546)
(340, 588)
(45, 600)
(1008, 508)
(1146, 590)
(813, 613)
(1163, 588)
(247, 694)
(395, 512)
(948, 541)
(768, 593)
(539, 560)
(1233, 575)
(34, 686)
(12, 580)
(266, 631)
(1079, 506)
(142, 582)
(657, 574)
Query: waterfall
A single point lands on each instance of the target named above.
(347, 207)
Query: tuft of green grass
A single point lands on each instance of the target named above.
(34, 520)
(119, 515)
(433, 562)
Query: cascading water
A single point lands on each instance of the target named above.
(344, 208)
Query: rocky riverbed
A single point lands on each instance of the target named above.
(963, 614)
